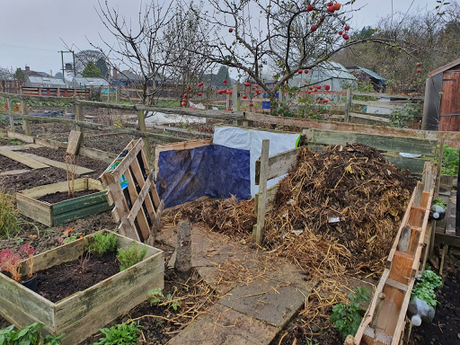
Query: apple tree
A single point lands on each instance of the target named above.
(284, 36)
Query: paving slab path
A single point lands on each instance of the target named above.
(260, 294)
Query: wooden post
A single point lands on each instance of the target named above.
(236, 105)
(108, 94)
(78, 116)
(183, 262)
(143, 128)
(8, 104)
(347, 106)
(257, 232)
(117, 94)
(25, 122)
(227, 101)
(439, 167)
(426, 103)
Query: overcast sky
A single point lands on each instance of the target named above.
(33, 31)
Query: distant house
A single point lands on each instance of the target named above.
(85, 83)
(39, 81)
(366, 75)
(331, 73)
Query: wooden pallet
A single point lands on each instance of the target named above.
(385, 320)
(132, 190)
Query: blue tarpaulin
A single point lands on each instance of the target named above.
(213, 170)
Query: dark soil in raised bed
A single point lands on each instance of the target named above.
(61, 281)
(61, 196)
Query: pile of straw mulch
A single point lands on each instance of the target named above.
(336, 211)
(339, 210)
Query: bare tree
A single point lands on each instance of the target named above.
(138, 52)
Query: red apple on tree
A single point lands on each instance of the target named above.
(313, 28)
(225, 81)
(318, 87)
(185, 95)
(251, 104)
(300, 71)
(189, 88)
(331, 9)
(305, 71)
(200, 94)
(340, 33)
(244, 96)
(309, 92)
(347, 27)
(201, 84)
(345, 37)
(418, 64)
(311, 87)
(230, 30)
(326, 100)
(419, 70)
(183, 104)
(337, 6)
(327, 87)
(247, 84)
(310, 8)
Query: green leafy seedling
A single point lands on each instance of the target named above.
(125, 333)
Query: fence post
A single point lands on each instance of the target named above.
(257, 232)
(143, 128)
(236, 105)
(347, 106)
(25, 122)
(117, 94)
(8, 104)
(78, 115)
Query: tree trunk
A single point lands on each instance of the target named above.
(183, 262)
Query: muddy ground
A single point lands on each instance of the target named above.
(159, 330)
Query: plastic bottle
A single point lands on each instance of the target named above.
(437, 212)
(419, 311)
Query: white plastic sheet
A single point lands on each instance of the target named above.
(250, 139)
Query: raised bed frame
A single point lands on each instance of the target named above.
(85, 312)
(64, 211)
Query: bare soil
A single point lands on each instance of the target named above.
(61, 281)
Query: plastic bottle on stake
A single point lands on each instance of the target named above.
(437, 212)
(419, 311)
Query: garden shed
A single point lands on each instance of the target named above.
(442, 106)
(332, 73)
(367, 75)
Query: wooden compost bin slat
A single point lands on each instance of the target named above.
(64, 211)
(384, 321)
(83, 313)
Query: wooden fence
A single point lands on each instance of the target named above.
(55, 92)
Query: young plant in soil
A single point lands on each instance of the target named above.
(12, 262)
(102, 243)
(347, 317)
(131, 256)
(125, 333)
(425, 287)
(27, 336)
(157, 297)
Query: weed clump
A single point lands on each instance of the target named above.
(9, 224)
(131, 256)
(102, 243)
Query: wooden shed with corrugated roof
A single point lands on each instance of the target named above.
(441, 109)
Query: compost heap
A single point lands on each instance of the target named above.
(336, 211)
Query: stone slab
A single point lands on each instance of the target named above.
(225, 326)
(269, 301)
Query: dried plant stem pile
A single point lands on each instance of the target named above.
(339, 210)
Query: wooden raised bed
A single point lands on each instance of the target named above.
(64, 211)
(85, 312)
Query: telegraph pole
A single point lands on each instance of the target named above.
(62, 60)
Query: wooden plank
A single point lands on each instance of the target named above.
(77, 203)
(398, 285)
(37, 192)
(257, 232)
(133, 148)
(382, 104)
(373, 306)
(178, 146)
(13, 172)
(401, 267)
(23, 137)
(66, 252)
(21, 306)
(445, 239)
(81, 212)
(23, 159)
(61, 165)
(351, 127)
(279, 164)
(270, 198)
(369, 117)
(74, 142)
(400, 324)
(380, 142)
(415, 166)
(143, 195)
(385, 95)
(32, 208)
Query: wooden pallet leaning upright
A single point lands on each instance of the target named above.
(132, 190)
